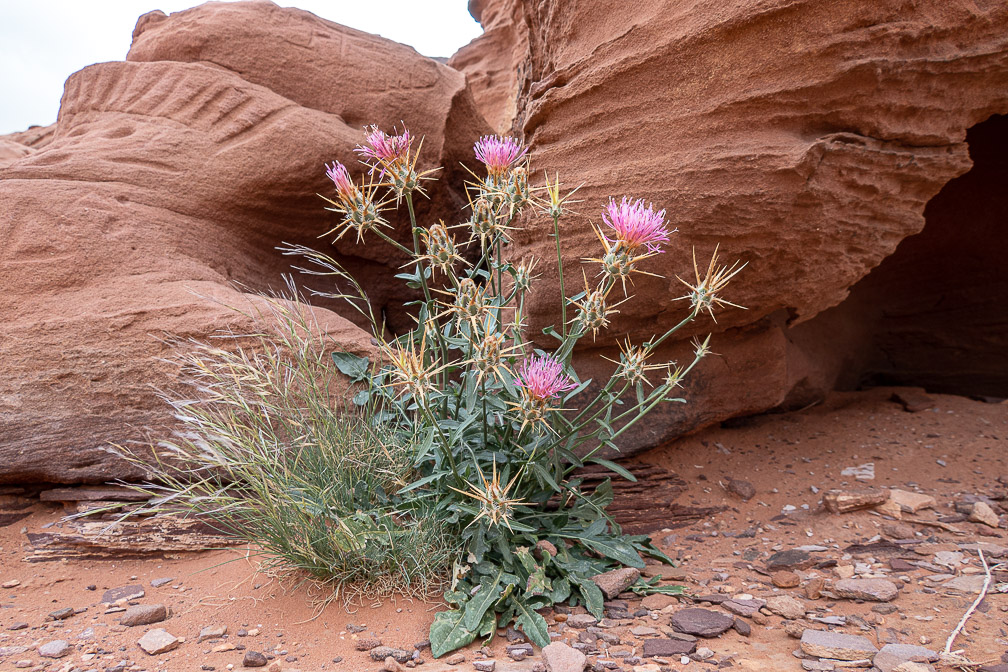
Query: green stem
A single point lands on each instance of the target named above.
(563, 294)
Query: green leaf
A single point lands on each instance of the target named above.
(615, 468)
(592, 596)
(615, 549)
(561, 590)
(361, 398)
(447, 633)
(478, 604)
(351, 365)
(532, 624)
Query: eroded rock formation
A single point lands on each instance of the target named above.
(170, 178)
(806, 138)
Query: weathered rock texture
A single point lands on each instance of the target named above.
(806, 138)
(175, 175)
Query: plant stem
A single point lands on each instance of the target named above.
(563, 294)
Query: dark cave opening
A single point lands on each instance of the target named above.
(934, 314)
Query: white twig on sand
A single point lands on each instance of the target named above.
(969, 612)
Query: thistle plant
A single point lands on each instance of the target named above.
(500, 427)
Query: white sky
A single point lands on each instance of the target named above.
(42, 42)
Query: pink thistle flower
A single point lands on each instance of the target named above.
(542, 378)
(341, 178)
(498, 153)
(384, 148)
(635, 225)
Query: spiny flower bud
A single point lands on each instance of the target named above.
(593, 314)
(523, 276)
(487, 355)
(441, 251)
(360, 212)
(470, 302)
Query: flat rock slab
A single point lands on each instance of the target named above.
(55, 649)
(614, 582)
(581, 621)
(144, 614)
(668, 647)
(968, 583)
(873, 590)
(744, 607)
(701, 622)
(558, 657)
(786, 606)
(790, 559)
(380, 653)
(843, 501)
(911, 502)
(122, 594)
(836, 645)
(892, 656)
(158, 641)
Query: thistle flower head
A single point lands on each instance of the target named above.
(487, 354)
(346, 190)
(633, 366)
(541, 378)
(593, 313)
(635, 226)
(496, 504)
(674, 376)
(441, 250)
(703, 295)
(409, 370)
(361, 212)
(470, 302)
(556, 205)
(390, 155)
(485, 223)
(523, 275)
(383, 148)
(499, 154)
(701, 348)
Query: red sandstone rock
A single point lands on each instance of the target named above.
(166, 182)
(805, 138)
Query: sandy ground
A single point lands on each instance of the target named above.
(955, 449)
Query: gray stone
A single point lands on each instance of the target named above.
(144, 614)
(983, 513)
(254, 659)
(380, 653)
(604, 635)
(874, 590)
(817, 665)
(485, 665)
(741, 627)
(122, 594)
(614, 582)
(743, 607)
(558, 657)
(744, 490)
(55, 649)
(212, 632)
(701, 622)
(789, 559)
(581, 621)
(668, 647)
(61, 614)
(786, 606)
(158, 641)
(891, 656)
(968, 583)
(826, 644)
(157, 583)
